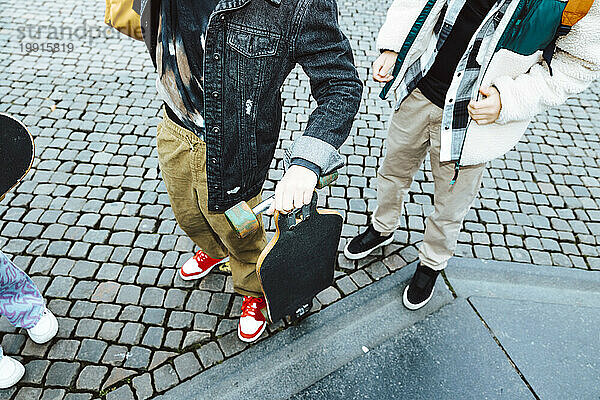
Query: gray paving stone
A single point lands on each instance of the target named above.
(128, 273)
(346, 285)
(155, 316)
(165, 377)
(110, 330)
(78, 396)
(131, 313)
(91, 377)
(205, 322)
(122, 393)
(53, 394)
(153, 296)
(230, 344)
(35, 371)
(175, 299)
(153, 337)
(180, 319)
(212, 283)
(142, 385)
(193, 338)
(210, 354)
(62, 374)
(218, 303)
(63, 350)
(28, 393)
(114, 355)
(198, 301)
(328, 296)
(82, 309)
(60, 286)
(129, 294)
(83, 290)
(87, 328)
(91, 350)
(137, 358)
(186, 365)
(131, 333)
(173, 339)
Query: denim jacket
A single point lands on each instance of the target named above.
(251, 47)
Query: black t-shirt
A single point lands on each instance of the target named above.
(436, 83)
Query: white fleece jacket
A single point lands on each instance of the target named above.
(525, 84)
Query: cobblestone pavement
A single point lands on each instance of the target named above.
(93, 226)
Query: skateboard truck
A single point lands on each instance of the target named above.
(244, 220)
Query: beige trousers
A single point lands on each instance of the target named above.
(414, 129)
(182, 160)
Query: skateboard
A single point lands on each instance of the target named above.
(244, 220)
(299, 261)
(16, 152)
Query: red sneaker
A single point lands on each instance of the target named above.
(199, 266)
(252, 321)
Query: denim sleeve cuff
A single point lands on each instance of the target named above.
(318, 152)
(307, 164)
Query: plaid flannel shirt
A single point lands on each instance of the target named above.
(467, 77)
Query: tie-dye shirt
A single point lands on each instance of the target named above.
(179, 58)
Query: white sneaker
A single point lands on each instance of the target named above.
(45, 329)
(11, 372)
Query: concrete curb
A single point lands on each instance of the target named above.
(301, 355)
(509, 280)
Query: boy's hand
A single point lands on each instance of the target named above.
(382, 67)
(294, 190)
(486, 110)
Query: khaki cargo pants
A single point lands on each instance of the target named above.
(414, 129)
(182, 159)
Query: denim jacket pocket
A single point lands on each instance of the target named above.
(251, 55)
(250, 52)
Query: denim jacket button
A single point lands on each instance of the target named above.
(215, 94)
(216, 56)
(216, 129)
(214, 160)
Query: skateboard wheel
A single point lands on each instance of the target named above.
(242, 219)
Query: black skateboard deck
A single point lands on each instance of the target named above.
(16, 152)
(299, 261)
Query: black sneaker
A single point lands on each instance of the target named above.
(363, 244)
(420, 289)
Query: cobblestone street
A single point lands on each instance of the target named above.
(92, 224)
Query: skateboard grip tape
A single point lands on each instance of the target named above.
(16, 152)
(300, 264)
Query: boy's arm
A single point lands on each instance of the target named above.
(325, 54)
(400, 18)
(576, 64)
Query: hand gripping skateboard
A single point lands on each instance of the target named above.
(299, 261)
(16, 152)
(244, 220)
